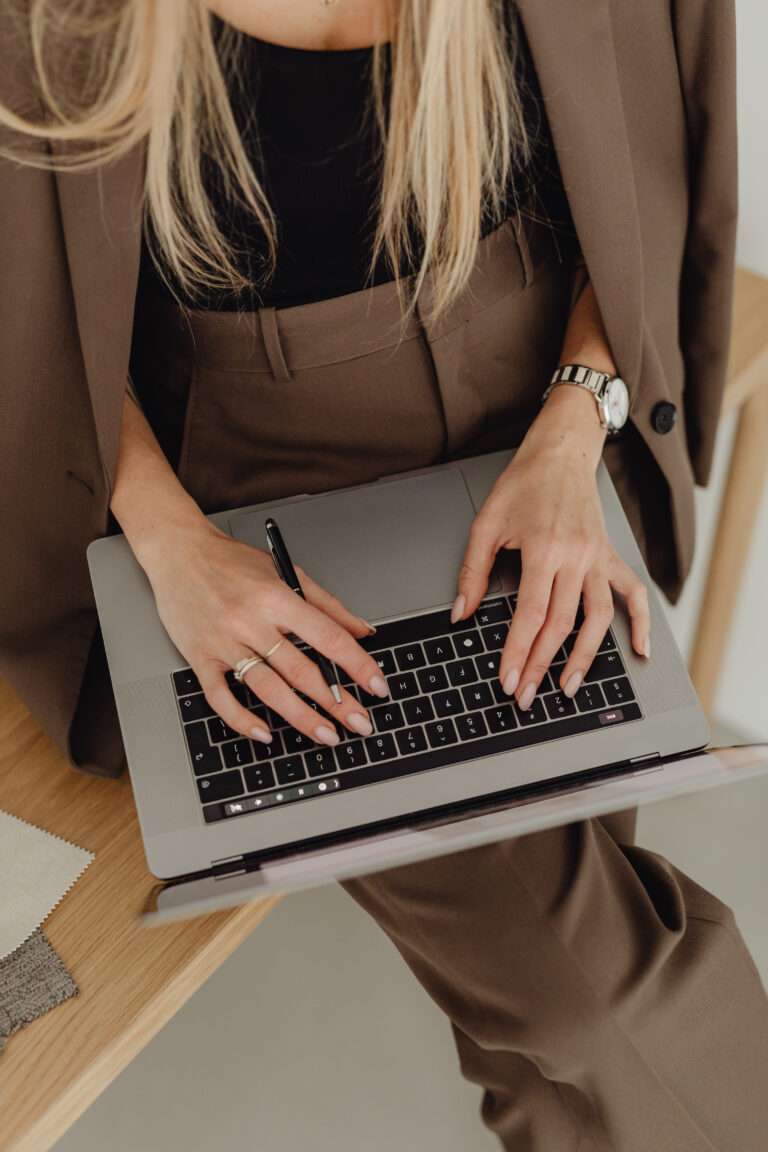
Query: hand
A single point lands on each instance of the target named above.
(546, 503)
(221, 600)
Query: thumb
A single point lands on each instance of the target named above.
(321, 598)
(474, 571)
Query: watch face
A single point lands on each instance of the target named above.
(615, 402)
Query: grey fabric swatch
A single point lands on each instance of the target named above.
(33, 979)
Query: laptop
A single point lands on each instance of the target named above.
(453, 762)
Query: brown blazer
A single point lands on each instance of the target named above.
(641, 102)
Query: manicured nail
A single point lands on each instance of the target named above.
(359, 723)
(647, 647)
(260, 734)
(511, 680)
(526, 696)
(378, 686)
(326, 735)
(371, 627)
(572, 684)
(459, 605)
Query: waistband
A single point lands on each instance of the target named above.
(280, 341)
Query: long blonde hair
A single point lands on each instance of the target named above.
(111, 75)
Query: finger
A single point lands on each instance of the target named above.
(474, 570)
(598, 613)
(321, 598)
(327, 636)
(632, 588)
(219, 695)
(268, 686)
(538, 572)
(301, 671)
(561, 615)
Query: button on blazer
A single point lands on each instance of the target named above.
(641, 104)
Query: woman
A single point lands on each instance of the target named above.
(329, 289)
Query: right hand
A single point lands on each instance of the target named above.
(220, 600)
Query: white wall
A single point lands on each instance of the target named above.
(752, 26)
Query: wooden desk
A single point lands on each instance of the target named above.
(131, 979)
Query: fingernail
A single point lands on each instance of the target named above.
(260, 734)
(326, 734)
(572, 684)
(359, 723)
(378, 686)
(458, 607)
(647, 646)
(511, 680)
(526, 696)
(371, 627)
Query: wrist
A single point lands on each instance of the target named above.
(164, 530)
(569, 424)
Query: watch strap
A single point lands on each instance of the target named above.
(580, 374)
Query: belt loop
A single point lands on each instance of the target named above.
(270, 334)
(523, 248)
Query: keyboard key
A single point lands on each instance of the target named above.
(607, 642)
(320, 762)
(501, 718)
(469, 643)
(492, 612)
(350, 754)
(461, 671)
(288, 769)
(197, 737)
(605, 666)
(441, 732)
(499, 695)
(477, 696)
(533, 715)
(237, 753)
(185, 682)
(411, 740)
(218, 731)
(589, 697)
(258, 777)
(380, 747)
(447, 703)
(402, 686)
(471, 726)
(195, 707)
(569, 642)
(410, 656)
(221, 787)
(268, 751)
(241, 694)
(494, 638)
(386, 717)
(488, 665)
(206, 760)
(386, 662)
(432, 679)
(558, 704)
(618, 691)
(419, 710)
(296, 741)
(439, 651)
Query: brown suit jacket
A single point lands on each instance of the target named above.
(641, 102)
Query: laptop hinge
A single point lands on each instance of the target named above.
(644, 759)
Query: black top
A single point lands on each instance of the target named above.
(310, 113)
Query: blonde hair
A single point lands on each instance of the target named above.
(113, 74)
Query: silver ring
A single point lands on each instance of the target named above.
(244, 665)
(273, 648)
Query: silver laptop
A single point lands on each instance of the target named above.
(452, 762)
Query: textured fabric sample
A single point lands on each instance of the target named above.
(33, 979)
(37, 869)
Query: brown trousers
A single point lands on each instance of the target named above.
(601, 998)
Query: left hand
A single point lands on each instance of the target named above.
(546, 504)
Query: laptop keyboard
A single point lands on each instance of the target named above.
(446, 706)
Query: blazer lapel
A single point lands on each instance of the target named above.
(573, 50)
(101, 215)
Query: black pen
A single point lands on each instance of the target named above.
(287, 572)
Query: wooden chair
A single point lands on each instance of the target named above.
(747, 392)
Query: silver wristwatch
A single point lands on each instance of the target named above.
(610, 392)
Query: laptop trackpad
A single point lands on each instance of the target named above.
(384, 549)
